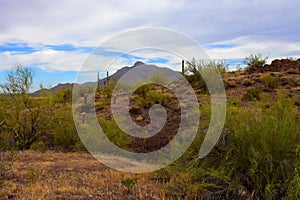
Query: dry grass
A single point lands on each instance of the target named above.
(55, 175)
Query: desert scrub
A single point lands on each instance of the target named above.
(154, 96)
(270, 81)
(255, 158)
(263, 146)
(39, 146)
(129, 183)
(255, 60)
(252, 94)
(231, 83)
(114, 133)
(294, 186)
(247, 82)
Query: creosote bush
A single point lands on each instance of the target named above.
(198, 68)
(270, 81)
(263, 146)
(255, 60)
(252, 94)
(257, 156)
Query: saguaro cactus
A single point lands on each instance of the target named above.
(107, 78)
(182, 67)
(98, 83)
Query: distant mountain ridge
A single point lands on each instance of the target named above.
(54, 89)
(137, 74)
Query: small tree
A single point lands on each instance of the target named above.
(255, 60)
(23, 115)
(196, 69)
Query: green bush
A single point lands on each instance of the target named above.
(197, 69)
(252, 94)
(231, 84)
(129, 183)
(270, 81)
(247, 82)
(257, 156)
(39, 146)
(153, 96)
(293, 191)
(255, 60)
(263, 147)
(64, 130)
(114, 133)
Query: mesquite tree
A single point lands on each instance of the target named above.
(21, 119)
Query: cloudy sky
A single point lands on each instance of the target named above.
(56, 37)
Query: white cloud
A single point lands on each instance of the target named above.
(253, 45)
(269, 27)
(48, 60)
(91, 22)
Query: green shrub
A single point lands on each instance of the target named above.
(231, 84)
(263, 147)
(293, 191)
(64, 130)
(256, 156)
(252, 94)
(114, 133)
(270, 81)
(39, 146)
(199, 68)
(255, 60)
(154, 96)
(129, 183)
(247, 82)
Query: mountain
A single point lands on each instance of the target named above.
(139, 71)
(54, 89)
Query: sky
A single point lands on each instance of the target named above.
(55, 38)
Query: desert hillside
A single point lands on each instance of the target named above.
(256, 156)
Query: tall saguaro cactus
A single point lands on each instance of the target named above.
(182, 67)
(98, 83)
(107, 78)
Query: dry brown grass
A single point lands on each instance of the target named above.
(55, 175)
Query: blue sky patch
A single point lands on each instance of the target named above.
(69, 47)
(23, 48)
(158, 60)
(220, 46)
(17, 48)
(46, 78)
